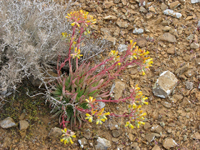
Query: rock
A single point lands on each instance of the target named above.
(113, 125)
(143, 10)
(55, 132)
(122, 47)
(116, 32)
(175, 4)
(189, 18)
(108, 4)
(166, 104)
(106, 31)
(135, 146)
(158, 21)
(119, 87)
(23, 124)
(171, 50)
(190, 73)
(168, 37)
(141, 42)
(189, 85)
(138, 31)
(196, 136)
(184, 138)
(194, 46)
(82, 142)
(124, 2)
(102, 144)
(172, 13)
(152, 9)
(176, 98)
(168, 143)
(87, 134)
(6, 142)
(157, 129)
(99, 9)
(198, 61)
(116, 1)
(165, 22)
(22, 133)
(156, 147)
(166, 28)
(198, 25)
(8, 123)
(111, 39)
(22, 116)
(131, 137)
(149, 15)
(182, 1)
(165, 84)
(190, 37)
(147, 126)
(182, 69)
(122, 24)
(110, 17)
(35, 81)
(195, 1)
(116, 133)
(163, 6)
(150, 137)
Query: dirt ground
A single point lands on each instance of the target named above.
(173, 43)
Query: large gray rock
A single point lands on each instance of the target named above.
(165, 84)
(7, 123)
(102, 144)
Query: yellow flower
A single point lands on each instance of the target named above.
(143, 73)
(71, 141)
(144, 114)
(74, 136)
(61, 140)
(66, 141)
(98, 121)
(76, 53)
(64, 34)
(103, 119)
(65, 130)
(90, 100)
(107, 113)
(129, 125)
(89, 117)
(72, 24)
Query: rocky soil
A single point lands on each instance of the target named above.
(170, 31)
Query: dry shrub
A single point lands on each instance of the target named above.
(30, 41)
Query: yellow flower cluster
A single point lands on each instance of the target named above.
(76, 53)
(115, 56)
(67, 136)
(101, 116)
(135, 107)
(80, 17)
(139, 96)
(137, 53)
